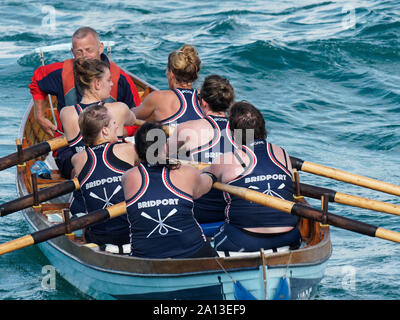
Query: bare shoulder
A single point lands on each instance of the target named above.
(131, 182)
(116, 105)
(67, 112)
(129, 174)
(194, 124)
(278, 151)
(126, 152)
(282, 156)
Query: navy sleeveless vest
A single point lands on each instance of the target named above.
(161, 218)
(211, 206)
(188, 110)
(100, 181)
(267, 176)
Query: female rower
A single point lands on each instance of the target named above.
(99, 169)
(159, 198)
(260, 166)
(206, 139)
(180, 103)
(94, 80)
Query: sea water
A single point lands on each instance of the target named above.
(325, 75)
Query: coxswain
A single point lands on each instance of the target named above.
(58, 79)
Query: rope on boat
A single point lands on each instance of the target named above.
(240, 292)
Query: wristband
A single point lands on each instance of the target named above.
(213, 177)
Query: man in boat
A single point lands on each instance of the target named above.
(180, 103)
(267, 169)
(58, 79)
(99, 169)
(207, 138)
(159, 199)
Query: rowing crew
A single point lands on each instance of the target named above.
(150, 176)
(161, 194)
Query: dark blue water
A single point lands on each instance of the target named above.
(324, 73)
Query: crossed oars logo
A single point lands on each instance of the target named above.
(161, 226)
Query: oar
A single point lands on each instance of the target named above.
(42, 195)
(334, 196)
(344, 176)
(302, 210)
(344, 198)
(32, 152)
(63, 228)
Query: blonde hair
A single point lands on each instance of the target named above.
(184, 63)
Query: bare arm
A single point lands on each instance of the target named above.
(131, 181)
(283, 157)
(69, 120)
(147, 107)
(78, 160)
(129, 115)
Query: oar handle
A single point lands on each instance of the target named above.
(32, 152)
(62, 228)
(345, 176)
(309, 212)
(43, 195)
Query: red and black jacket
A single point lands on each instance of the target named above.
(58, 79)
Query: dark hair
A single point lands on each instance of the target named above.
(184, 63)
(91, 121)
(148, 145)
(244, 116)
(217, 92)
(86, 70)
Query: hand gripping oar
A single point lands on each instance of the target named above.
(62, 228)
(345, 176)
(42, 195)
(343, 198)
(32, 152)
(302, 210)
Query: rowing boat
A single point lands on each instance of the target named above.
(104, 275)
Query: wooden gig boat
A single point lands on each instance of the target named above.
(104, 275)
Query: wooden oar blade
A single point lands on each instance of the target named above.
(305, 211)
(345, 176)
(347, 199)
